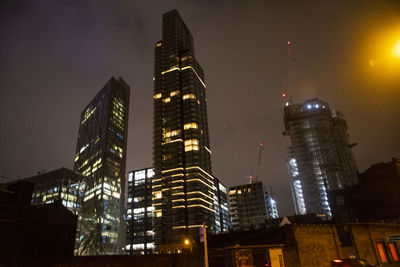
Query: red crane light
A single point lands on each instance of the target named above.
(262, 144)
(289, 42)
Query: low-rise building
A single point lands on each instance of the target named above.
(307, 245)
(251, 206)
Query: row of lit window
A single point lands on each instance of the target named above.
(168, 99)
(87, 115)
(167, 134)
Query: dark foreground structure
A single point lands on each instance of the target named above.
(307, 245)
(32, 232)
(62, 184)
(170, 260)
(292, 245)
(375, 199)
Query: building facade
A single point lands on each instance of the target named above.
(61, 184)
(183, 184)
(101, 158)
(251, 206)
(222, 211)
(320, 158)
(139, 213)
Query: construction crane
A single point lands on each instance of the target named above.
(251, 179)
(288, 89)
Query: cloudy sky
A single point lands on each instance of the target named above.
(56, 55)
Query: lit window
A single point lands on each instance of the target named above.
(150, 173)
(191, 141)
(189, 96)
(191, 144)
(167, 100)
(83, 148)
(174, 93)
(192, 125)
(382, 252)
(157, 96)
(394, 251)
(171, 133)
(157, 194)
(138, 210)
(88, 113)
(158, 214)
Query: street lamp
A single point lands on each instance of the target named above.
(396, 49)
(187, 242)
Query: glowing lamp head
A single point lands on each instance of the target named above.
(337, 261)
(396, 49)
(283, 95)
(187, 242)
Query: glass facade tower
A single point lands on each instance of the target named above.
(320, 158)
(183, 186)
(101, 158)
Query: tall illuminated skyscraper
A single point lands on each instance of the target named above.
(101, 158)
(184, 189)
(320, 158)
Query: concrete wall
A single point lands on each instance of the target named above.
(316, 245)
(366, 236)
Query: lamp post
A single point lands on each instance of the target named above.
(203, 232)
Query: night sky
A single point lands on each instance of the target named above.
(56, 55)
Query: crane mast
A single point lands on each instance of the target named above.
(288, 89)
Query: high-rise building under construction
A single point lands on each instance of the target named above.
(320, 158)
(185, 193)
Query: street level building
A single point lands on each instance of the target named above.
(251, 206)
(184, 189)
(320, 158)
(101, 158)
(139, 213)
